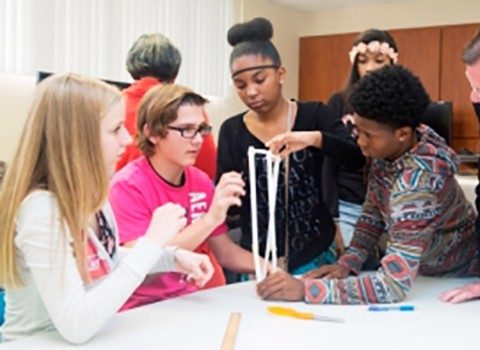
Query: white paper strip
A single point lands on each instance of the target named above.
(273, 169)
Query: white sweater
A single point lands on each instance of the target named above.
(53, 294)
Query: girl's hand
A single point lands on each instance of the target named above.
(339, 244)
(197, 267)
(166, 222)
(290, 142)
(327, 271)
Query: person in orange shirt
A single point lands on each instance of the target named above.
(154, 60)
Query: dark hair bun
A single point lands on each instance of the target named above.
(258, 29)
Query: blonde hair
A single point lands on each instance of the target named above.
(60, 151)
(158, 108)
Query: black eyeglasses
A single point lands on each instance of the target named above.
(190, 133)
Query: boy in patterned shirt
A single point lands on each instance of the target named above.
(412, 195)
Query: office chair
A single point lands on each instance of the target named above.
(439, 117)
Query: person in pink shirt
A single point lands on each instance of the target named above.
(171, 126)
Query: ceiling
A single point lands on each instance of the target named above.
(317, 5)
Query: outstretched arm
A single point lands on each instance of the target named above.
(411, 231)
(79, 311)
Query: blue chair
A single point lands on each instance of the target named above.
(2, 306)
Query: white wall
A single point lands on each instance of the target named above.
(285, 23)
(405, 14)
(289, 26)
(16, 93)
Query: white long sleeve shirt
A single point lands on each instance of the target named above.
(53, 294)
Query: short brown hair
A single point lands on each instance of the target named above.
(159, 108)
(471, 53)
(153, 55)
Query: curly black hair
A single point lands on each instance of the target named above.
(253, 38)
(391, 95)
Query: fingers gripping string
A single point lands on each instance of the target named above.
(273, 169)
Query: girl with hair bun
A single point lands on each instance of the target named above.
(304, 226)
(371, 50)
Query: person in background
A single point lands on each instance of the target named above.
(154, 60)
(471, 58)
(171, 126)
(304, 226)
(344, 189)
(60, 261)
(412, 195)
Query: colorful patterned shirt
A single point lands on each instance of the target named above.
(430, 224)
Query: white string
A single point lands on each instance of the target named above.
(253, 208)
(273, 166)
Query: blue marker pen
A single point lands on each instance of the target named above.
(391, 308)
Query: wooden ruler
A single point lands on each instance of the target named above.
(231, 331)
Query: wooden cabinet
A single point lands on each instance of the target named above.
(324, 65)
(432, 53)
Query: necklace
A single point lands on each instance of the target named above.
(283, 261)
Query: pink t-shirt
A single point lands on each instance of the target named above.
(135, 192)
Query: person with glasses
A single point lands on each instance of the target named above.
(171, 126)
(60, 261)
(304, 226)
(471, 58)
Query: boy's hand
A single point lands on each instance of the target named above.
(467, 292)
(280, 285)
(227, 193)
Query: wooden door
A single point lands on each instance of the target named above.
(324, 65)
(419, 50)
(433, 53)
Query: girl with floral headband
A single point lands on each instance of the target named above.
(371, 50)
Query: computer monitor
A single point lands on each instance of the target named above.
(121, 85)
(439, 117)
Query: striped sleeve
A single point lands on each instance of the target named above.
(368, 230)
(413, 221)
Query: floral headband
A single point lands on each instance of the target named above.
(373, 46)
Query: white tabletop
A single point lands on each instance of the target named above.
(468, 184)
(198, 321)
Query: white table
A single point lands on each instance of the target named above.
(468, 184)
(198, 321)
